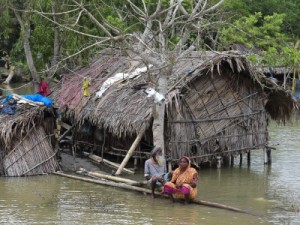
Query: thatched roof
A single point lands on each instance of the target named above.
(21, 122)
(125, 108)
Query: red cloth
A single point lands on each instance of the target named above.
(44, 89)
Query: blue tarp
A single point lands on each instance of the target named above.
(297, 95)
(8, 109)
(34, 97)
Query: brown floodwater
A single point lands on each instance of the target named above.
(272, 193)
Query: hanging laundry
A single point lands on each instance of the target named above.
(44, 88)
(86, 84)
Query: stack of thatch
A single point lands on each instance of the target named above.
(25, 147)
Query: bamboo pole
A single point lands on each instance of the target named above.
(109, 177)
(148, 191)
(130, 151)
(99, 159)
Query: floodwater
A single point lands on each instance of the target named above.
(270, 193)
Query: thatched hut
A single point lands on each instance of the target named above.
(27, 141)
(216, 104)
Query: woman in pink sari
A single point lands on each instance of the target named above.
(184, 182)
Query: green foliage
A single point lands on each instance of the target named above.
(267, 31)
(255, 31)
(291, 57)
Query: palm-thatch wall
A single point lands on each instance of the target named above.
(26, 142)
(218, 113)
(216, 103)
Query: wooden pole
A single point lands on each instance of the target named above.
(169, 166)
(249, 158)
(148, 191)
(269, 158)
(265, 156)
(226, 160)
(241, 159)
(218, 158)
(135, 164)
(130, 152)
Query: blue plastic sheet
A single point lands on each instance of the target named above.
(35, 98)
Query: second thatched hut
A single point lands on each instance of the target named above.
(27, 140)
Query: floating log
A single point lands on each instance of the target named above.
(99, 159)
(109, 177)
(148, 191)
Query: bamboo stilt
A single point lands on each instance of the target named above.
(269, 156)
(265, 156)
(241, 159)
(249, 158)
(231, 160)
(135, 164)
(169, 166)
(219, 161)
